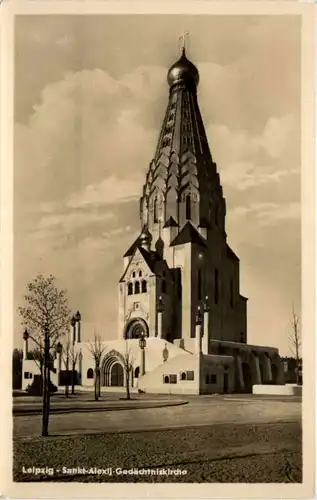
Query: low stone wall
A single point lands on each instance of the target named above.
(278, 390)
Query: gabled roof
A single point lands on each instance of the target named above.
(188, 235)
(231, 253)
(171, 222)
(150, 258)
(134, 245)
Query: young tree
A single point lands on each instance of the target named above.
(98, 351)
(73, 361)
(295, 342)
(17, 357)
(66, 361)
(46, 318)
(128, 362)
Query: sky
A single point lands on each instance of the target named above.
(90, 97)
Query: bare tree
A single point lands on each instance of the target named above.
(46, 318)
(98, 351)
(128, 362)
(66, 361)
(295, 342)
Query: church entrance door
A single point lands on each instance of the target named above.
(116, 375)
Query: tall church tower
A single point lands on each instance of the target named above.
(183, 210)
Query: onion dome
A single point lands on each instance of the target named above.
(145, 238)
(183, 71)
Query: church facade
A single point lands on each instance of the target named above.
(181, 316)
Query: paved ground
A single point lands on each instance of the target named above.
(200, 411)
(219, 453)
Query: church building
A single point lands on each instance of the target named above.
(181, 316)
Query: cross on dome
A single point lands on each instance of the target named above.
(183, 40)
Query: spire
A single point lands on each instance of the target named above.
(182, 178)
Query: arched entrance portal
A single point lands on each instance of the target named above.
(116, 375)
(113, 370)
(136, 328)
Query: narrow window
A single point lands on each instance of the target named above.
(188, 207)
(155, 210)
(90, 373)
(137, 287)
(173, 379)
(199, 284)
(231, 294)
(163, 286)
(137, 372)
(213, 379)
(133, 274)
(183, 376)
(207, 379)
(166, 379)
(190, 375)
(130, 289)
(216, 286)
(140, 273)
(144, 286)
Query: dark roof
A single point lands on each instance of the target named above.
(150, 258)
(188, 235)
(231, 253)
(134, 245)
(171, 222)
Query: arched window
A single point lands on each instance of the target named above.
(137, 287)
(140, 273)
(155, 210)
(133, 274)
(90, 373)
(130, 289)
(188, 207)
(166, 379)
(137, 372)
(144, 286)
(183, 376)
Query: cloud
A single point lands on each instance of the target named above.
(110, 190)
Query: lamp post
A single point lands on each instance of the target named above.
(199, 323)
(80, 361)
(73, 324)
(59, 350)
(206, 325)
(142, 345)
(25, 344)
(78, 320)
(160, 310)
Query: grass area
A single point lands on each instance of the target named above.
(219, 453)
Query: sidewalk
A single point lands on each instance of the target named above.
(68, 405)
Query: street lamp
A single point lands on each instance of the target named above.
(77, 318)
(160, 305)
(142, 345)
(73, 324)
(59, 348)
(142, 342)
(206, 305)
(25, 335)
(199, 317)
